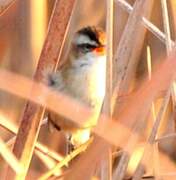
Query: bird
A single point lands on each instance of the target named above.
(83, 78)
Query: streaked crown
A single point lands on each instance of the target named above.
(89, 38)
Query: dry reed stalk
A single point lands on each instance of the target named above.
(168, 46)
(168, 43)
(7, 124)
(47, 156)
(120, 20)
(126, 61)
(48, 162)
(33, 113)
(171, 135)
(151, 27)
(106, 164)
(5, 5)
(90, 160)
(172, 12)
(109, 58)
(129, 48)
(166, 26)
(153, 117)
(66, 160)
(40, 148)
(148, 151)
(10, 158)
(49, 152)
(11, 141)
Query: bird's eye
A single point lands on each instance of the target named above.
(86, 47)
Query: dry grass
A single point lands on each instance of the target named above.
(130, 108)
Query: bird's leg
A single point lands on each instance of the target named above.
(69, 145)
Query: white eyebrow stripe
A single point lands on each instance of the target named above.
(83, 39)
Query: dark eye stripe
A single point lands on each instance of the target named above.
(86, 46)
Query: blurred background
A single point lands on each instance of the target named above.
(23, 27)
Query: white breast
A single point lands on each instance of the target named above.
(86, 81)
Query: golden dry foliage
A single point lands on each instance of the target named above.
(135, 134)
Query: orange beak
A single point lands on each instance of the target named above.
(100, 50)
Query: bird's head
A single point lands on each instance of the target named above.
(90, 40)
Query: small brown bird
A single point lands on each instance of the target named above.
(83, 78)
